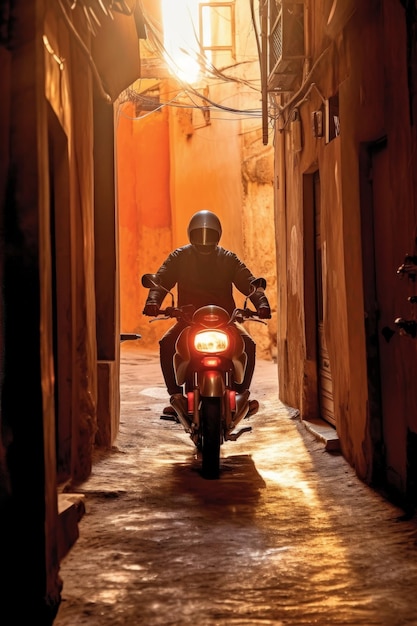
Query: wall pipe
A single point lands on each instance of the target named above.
(263, 7)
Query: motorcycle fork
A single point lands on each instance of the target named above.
(229, 403)
(194, 405)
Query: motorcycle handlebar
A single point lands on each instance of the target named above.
(245, 313)
(171, 311)
(238, 315)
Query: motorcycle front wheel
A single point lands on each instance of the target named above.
(211, 433)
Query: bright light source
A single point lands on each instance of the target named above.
(181, 32)
(211, 341)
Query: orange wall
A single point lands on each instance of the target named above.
(144, 204)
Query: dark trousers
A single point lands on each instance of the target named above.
(167, 351)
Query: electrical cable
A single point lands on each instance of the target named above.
(293, 102)
(155, 29)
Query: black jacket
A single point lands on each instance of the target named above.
(205, 279)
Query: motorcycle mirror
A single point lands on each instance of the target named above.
(259, 283)
(150, 281)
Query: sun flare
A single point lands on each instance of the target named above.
(181, 27)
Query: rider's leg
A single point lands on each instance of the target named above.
(166, 355)
(250, 348)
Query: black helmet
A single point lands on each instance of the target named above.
(204, 231)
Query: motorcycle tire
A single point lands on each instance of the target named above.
(211, 433)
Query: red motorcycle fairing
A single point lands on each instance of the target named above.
(188, 362)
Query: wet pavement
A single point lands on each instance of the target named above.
(287, 536)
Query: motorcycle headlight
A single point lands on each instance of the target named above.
(211, 341)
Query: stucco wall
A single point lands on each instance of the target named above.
(69, 90)
(370, 77)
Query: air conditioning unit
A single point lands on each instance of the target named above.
(286, 45)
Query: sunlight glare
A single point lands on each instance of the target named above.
(180, 21)
(290, 479)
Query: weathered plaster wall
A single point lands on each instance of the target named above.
(259, 228)
(69, 90)
(205, 170)
(48, 340)
(341, 261)
(370, 78)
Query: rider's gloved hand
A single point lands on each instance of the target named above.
(262, 305)
(151, 309)
(264, 312)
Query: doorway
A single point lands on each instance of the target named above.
(62, 290)
(385, 238)
(316, 346)
(324, 378)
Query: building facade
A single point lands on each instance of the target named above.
(343, 97)
(62, 68)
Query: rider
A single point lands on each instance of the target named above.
(204, 274)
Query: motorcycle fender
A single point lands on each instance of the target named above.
(212, 384)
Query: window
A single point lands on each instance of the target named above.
(197, 32)
(217, 26)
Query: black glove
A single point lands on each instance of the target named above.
(262, 305)
(151, 309)
(264, 312)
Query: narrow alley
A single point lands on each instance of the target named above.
(287, 536)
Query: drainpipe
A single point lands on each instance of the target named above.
(281, 249)
(263, 8)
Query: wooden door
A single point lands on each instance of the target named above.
(324, 378)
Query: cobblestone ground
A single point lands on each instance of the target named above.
(287, 536)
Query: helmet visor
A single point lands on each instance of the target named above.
(204, 237)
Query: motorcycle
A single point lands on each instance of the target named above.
(209, 360)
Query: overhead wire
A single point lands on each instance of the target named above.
(155, 29)
(137, 97)
(297, 99)
(157, 46)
